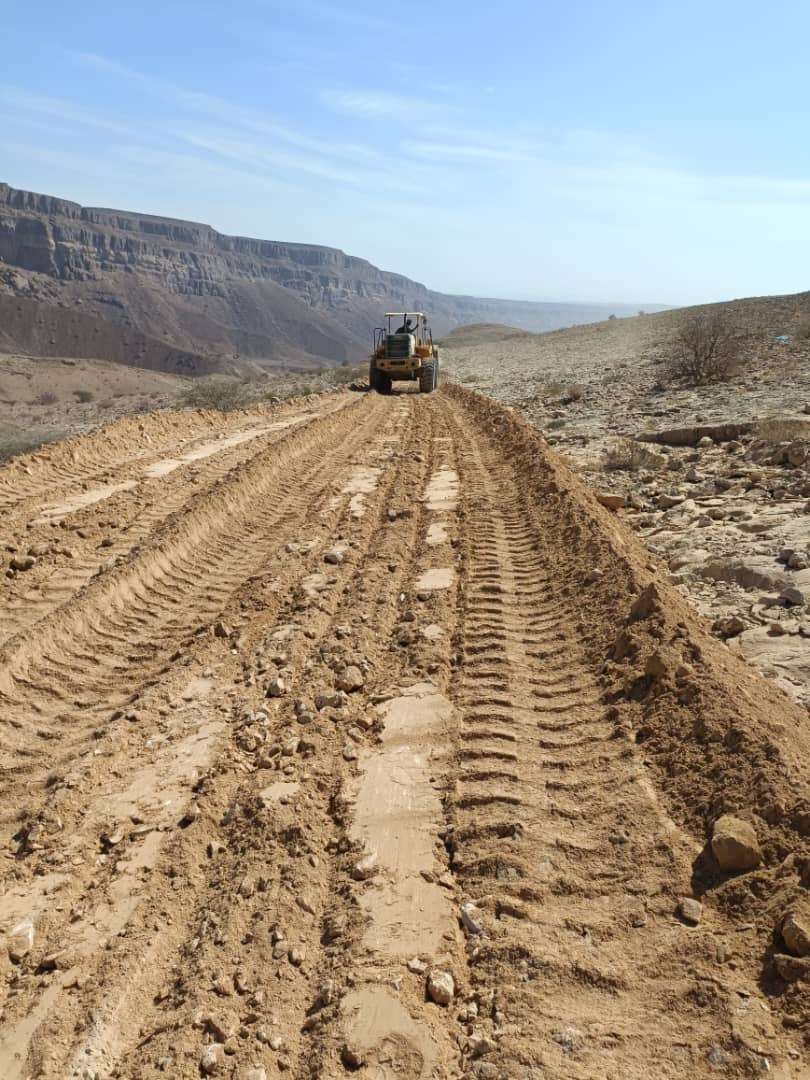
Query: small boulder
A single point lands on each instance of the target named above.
(23, 562)
(690, 910)
(20, 940)
(366, 867)
(611, 500)
(212, 1059)
(441, 987)
(735, 844)
(795, 930)
(350, 679)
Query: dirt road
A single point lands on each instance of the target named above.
(355, 736)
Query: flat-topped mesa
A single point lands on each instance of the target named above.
(53, 236)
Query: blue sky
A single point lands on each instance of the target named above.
(571, 150)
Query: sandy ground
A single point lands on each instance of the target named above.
(360, 737)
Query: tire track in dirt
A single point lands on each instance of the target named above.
(100, 1047)
(128, 521)
(80, 665)
(368, 802)
(559, 836)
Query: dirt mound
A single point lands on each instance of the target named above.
(356, 735)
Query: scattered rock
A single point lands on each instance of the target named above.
(690, 910)
(23, 562)
(735, 844)
(571, 1039)
(795, 930)
(350, 679)
(20, 940)
(441, 987)
(366, 867)
(212, 1059)
(471, 918)
(611, 500)
(276, 688)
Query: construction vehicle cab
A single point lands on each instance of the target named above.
(404, 349)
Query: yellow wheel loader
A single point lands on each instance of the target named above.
(404, 351)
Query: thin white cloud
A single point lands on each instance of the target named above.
(225, 112)
(265, 157)
(57, 109)
(384, 105)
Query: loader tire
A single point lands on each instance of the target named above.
(427, 378)
(378, 380)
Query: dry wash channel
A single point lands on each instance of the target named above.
(383, 750)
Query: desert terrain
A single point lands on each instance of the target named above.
(180, 297)
(356, 733)
(713, 477)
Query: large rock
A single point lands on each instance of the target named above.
(735, 844)
(795, 930)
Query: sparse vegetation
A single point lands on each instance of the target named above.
(47, 397)
(216, 394)
(14, 443)
(705, 350)
(570, 395)
(628, 456)
(84, 396)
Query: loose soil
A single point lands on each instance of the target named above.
(372, 742)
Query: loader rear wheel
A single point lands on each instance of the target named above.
(427, 378)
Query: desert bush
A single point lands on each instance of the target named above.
(47, 397)
(14, 443)
(706, 350)
(570, 395)
(215, 394)
(470, 377)
(84, 396)
(802, 329)
(555, 425)
(627, 456)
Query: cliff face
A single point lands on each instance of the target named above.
(215, 296)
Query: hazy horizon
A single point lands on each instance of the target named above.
(572, 154)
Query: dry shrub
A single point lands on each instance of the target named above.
(48, 397)
(706, 349)
(84, 396)
(627, 456)
(570, 395)
(214, 394)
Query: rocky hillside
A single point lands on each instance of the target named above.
(179, 296)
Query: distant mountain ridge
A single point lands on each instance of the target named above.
(180, 296)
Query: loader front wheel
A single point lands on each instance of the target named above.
(378, 380)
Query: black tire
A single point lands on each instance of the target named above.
(427, 378)
(378, 380)
(436, 372)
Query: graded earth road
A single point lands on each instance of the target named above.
(353, 735)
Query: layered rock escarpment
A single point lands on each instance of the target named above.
(224, 299)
